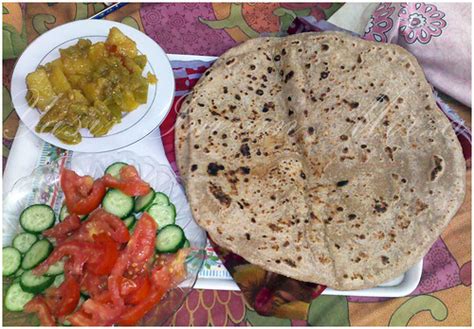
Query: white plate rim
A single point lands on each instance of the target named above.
(149, 121)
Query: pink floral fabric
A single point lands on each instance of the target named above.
(420, 22)
(438, 34)
(380, 23)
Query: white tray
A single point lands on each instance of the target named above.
(26, 152)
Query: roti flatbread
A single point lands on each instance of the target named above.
(320, 156)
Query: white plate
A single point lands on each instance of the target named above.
(135, 125)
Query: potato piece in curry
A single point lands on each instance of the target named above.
(89, 86)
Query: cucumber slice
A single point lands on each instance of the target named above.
(174, 208)
(118, 203)
(169, 239)
(11, 261)
(187, 244)
(63, 213)
(142, 202)
(35, 283)
(37, 253)
(19, 272)
(163, 215)
(161, 199)
(129, 221)
(24, 241)
(58, 280)
(131, 229)
(37, 218)
(56, 269)
(114, 169)
(16, 298)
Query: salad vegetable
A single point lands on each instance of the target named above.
(110, 268)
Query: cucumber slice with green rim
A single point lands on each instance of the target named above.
(187, 244)
(131, 229)
(58, 280)
(170, 239)
(24, 241)
(37, 218)
(35, 283)
(163, 215)
(160, 199)
(142, 202)
(16, 298)
(56, 269)
(114, 169)
(174, 208)
(11, 261)
(117, 203)
(37, 253)
(129, 221)
(63, 213)
(19, 272)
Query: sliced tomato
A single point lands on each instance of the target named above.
(79, 252)
(82, 193)
(103, 297)
(81, 318)
(161, 276)
(129, 183)
(94, 285)
(105, 263)
(102, 314)
(39, 306)
(141, 246)
(141, 292)
(133, 314)
(64, 229)
(136, 254)
(116, 277)
(64, 299)
(127, 286)
(100, 221)
(170, 267)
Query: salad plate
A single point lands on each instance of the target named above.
(43, 186)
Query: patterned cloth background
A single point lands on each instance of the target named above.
(444, 295)
(430, 31)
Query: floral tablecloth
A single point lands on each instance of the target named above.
(444, 295)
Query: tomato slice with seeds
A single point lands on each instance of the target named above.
(94, 285)
(82, 193)
(136, 254)
(141, 292)
(100, 221)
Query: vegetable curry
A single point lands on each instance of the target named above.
(91, 86)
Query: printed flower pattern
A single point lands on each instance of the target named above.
(380, 23)
(420, 22)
